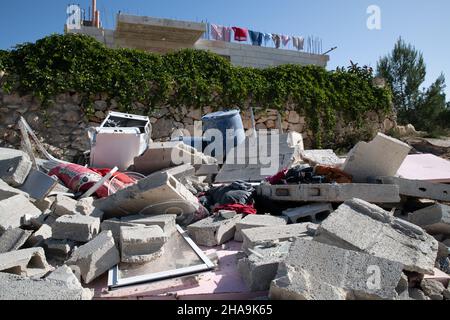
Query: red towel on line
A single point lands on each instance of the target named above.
(240, 34)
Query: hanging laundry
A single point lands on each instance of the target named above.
(276, 40)
(240, 34)
(227, 34)
(217, 32)
(267, 38)
(285, 40)
(256, 37)
(298, 42)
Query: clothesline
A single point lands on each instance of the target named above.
(224, 33)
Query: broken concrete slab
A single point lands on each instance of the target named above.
(76, 227)
(316, 271)
(6, 191)
(64, 205)
(257, 221)
(432, 289)
(382, 156)
(143, 197)
(142, 243)
(267, 236)
(13, 239)
(14, 287)
(95, 257)
(13, 209)
(14, 166)
(376, 193)
(321, 157)
(182, 171)
(38, 184)
(86, 207)
(114, 225)
(45, 204)
(362, 226)
(417, 294)
(42, 234)
(426, 167)
(260, 268)
(418, 189)
(25, 262)
(434, 219)
(213, 231)
(315, 213)
(167, 222)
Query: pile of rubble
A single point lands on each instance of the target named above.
(322, 228)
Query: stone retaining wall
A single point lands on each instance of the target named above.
(63, 126)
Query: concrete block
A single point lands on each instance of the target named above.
(419, 189)
(142, 198)
(64, 205)
(316, 271)
(76, 227)
(13, 287)
(13, 209)
(434, 219)
(6, 191)
(213, 231)
(322, 157)
(207, 169)
(432, 289)
(267, 236)
(260, 268)
(26, 262)
(95, 257)
(167, 222)
(65, 276)
(376, 193)
(257, 221)
(142, 243)
(14, 166)
(86, 207)
(38, 237)
(381, 157)
(361, 226)
(38, 184)
(13, 239)
(315, 213)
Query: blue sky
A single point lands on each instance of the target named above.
(426, 24)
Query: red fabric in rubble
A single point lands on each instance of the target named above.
(239, 208)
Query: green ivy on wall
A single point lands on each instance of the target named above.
(62, 63)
